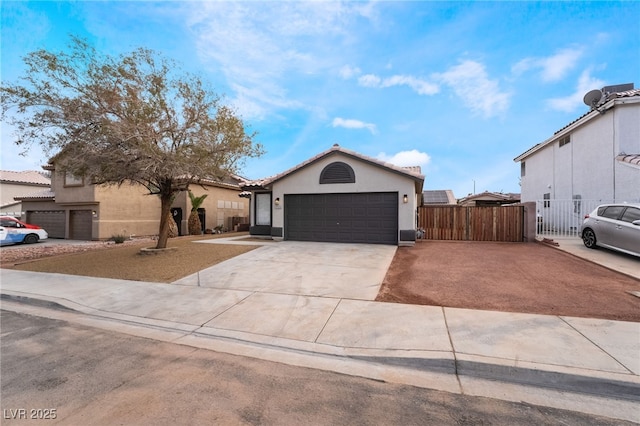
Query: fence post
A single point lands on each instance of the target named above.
(467, 218)
(530, 221)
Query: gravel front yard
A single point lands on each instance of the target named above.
(512, 277)
(122, 261)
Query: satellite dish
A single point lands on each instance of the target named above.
(593, 98)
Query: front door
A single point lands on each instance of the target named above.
(202, 214)
(176, 213)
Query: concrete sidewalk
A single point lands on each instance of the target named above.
(579, 364)
(611, 259)
(311, 305)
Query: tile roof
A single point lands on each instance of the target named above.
(30, 177)
(412, 172)
(38, 195)
(510, 196)
(633, 159)
(608, 98)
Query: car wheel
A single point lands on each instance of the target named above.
(31, 239)
(589, 238)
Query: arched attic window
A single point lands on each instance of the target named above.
(337, 172)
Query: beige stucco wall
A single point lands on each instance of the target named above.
(130, 210)
(126, 210)
(221, 205)
(369, 178)
(71, 193)
(140, 214)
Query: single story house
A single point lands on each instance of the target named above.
(486, 199)
(338, 196)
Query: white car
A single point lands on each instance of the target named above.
(14, 231)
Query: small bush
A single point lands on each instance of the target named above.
(119, 239)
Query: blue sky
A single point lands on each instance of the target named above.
(459, 88)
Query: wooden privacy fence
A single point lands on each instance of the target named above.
(499, 223)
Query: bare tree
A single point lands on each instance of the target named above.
(128, 119)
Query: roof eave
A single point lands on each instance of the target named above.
(419, 178)
(571, 127)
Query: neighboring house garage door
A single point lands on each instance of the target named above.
(52, 221)
(80, 224)
(345, 218)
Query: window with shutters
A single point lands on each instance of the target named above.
(337, 172)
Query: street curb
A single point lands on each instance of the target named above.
(539, 378)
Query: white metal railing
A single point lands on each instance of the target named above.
(563, 218)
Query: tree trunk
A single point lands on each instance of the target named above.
(165, 211)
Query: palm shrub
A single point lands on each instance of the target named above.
(172, 232)
(195, 227)
(173, 226)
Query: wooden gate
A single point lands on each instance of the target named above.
(499, 223)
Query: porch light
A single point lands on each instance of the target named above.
(277, 201)
(405, 199)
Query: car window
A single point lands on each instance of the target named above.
(9, 223)
(631, 214)
(601, 210)
(612, 212)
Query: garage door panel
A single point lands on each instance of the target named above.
(355, 217)
(52, 221)
(80, 222)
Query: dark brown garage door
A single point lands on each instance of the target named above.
(344, 218)
(80, 222)
(52, 221)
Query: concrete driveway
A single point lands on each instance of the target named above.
(345, 271)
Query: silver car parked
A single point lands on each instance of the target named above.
(614, 226)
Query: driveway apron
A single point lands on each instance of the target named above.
(343, 271)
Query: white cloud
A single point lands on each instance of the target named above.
(552, 68)
(421, 87)
(470, 82)
(261, 45)
(353, 124)
(348, 72)
(574, 101)
(370, 80)
(406, 158)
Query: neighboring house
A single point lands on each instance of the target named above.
(75, 209)
(594, 159)
(17, 184)
(441, 197)
(338, 196)
(489, 199)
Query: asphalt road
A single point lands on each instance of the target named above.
(63, 373)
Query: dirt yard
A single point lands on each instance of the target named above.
(513, 277)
